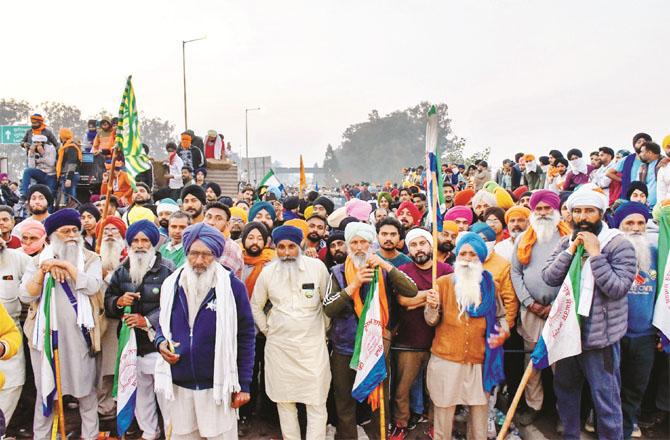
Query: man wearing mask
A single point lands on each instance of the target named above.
(38, 128)
(613, 267)
(238, 219)
(164, 209)
(530, 254)
(192, 157)
(533, 175)
(579, 172)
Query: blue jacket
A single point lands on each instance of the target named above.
(195, 368)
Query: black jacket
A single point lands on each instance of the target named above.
(149, 302)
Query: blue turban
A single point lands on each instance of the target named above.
(210, 236)
(60, 218)
(148, 228)
(258, 207)
(287, 233)
(486, 230)
(474, 240)
(627, 209)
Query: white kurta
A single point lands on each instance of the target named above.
(13, 266)
(77, 365)
(297, 367)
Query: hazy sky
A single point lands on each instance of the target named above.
(517, 75)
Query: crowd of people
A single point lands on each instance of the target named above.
(246, 306)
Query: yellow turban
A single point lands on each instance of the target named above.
(240, 213)
(450, 225)
(300, 224)
(666, 142)
(503, 199)
(140, 213)
(309, 211)
(517, 211)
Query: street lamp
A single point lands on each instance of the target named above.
(246, 136)
(183, 60)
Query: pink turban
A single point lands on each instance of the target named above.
(459, 212)
(359, 209)
(547, 196)
(37, 228)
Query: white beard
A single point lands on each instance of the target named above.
(467, 284)
(545, 227)
(140, 263)
(360, 259)
(110, 252)
(288, 269)
(68, 251)
(198, 285)
(642, 251)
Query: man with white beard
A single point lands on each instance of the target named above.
(136, 284)
(516, 219)
(296, 354)
(112, 251)
(638, 346)
(13, 264)
(206, 339)
(466, 360)
(529, 256)
(348, 287)
(78, 277)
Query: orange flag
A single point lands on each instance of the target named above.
(303, 180)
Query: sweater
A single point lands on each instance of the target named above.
(501, 269)
(641, 300)
(10, 337)
(458, 337)
(195, 368)
(527, 280)
(613, 271)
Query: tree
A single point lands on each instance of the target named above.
(330, 167)
(61, 115)
(156, 132)
(13, 112)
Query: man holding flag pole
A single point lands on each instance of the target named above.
(59, 286)
(361, 301)
(595, 269)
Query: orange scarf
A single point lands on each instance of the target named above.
(258, 262)
(61, 152)
(530, 237)
(42, 126)
(553, 171)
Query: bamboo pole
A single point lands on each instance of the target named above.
(382, 413)
(515, 401)
(436, 208)
(59, 391)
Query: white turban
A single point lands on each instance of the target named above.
(415, 233)
(483, 195)
(358, 229)
(586, 195)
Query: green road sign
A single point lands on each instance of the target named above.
(12, 134)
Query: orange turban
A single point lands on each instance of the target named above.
(463, 197)
(528, 157)
(517, 211)
(450, 225)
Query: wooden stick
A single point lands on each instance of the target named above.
(59, 391)
(54, 428)
(382, 413)
(108, 193)
(515, 401)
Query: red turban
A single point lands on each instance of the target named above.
(463, 197)
(112, 220)
(413, 211)
(520, 190)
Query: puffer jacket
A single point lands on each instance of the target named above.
(149, 302)
(613, 271)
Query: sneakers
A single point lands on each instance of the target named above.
(637, 432)
(398, 433)
(414, 420)
(527, 417)
(243, 427)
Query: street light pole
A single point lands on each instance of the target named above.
(246, 136)
(183, 62)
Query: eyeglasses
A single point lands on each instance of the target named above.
(205, 255)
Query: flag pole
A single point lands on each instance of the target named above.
(515, 401)
(59, 390)
(434, 222)
(382, 413)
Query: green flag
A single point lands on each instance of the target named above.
(128, 135)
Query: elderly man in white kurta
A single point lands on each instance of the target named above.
(78, 276)
(13, 264)
(296, 358)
